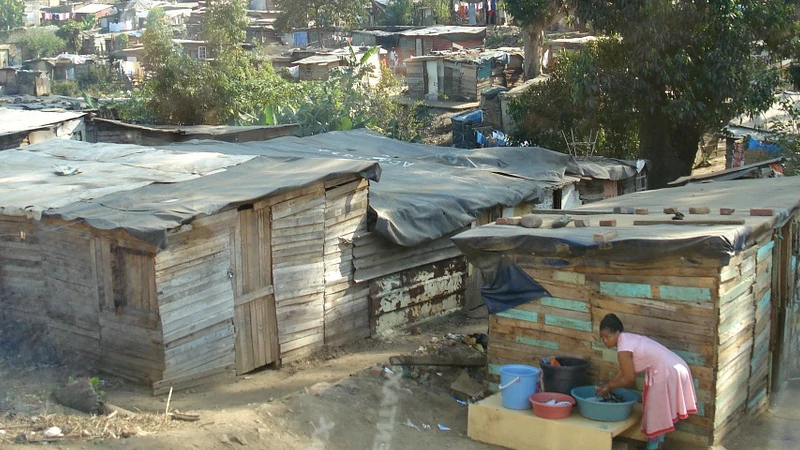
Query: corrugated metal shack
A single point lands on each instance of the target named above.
(175, 268)
(405, 263)
(721, 291)
(118, 132)
(459, 76)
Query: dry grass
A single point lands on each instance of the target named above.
(78, 427)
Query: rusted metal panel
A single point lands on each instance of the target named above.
(418, 293)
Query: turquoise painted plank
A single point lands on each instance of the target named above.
(765, 300)
(625, 289)
(494, 369)
(752, 403)
(563, 303)
(566, 322)
(794, 263)
(766, 248)
(685, 293)
(537, 342)
(691, 358)
(701, 409)
(494, 387)
(520, 314)
(697, 383)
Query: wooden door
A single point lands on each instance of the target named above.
(254, 319)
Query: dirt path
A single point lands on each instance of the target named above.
(333, 402)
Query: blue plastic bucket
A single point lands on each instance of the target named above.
(517, 383)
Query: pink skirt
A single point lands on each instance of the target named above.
(668, 397)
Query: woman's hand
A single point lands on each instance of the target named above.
(602, 390)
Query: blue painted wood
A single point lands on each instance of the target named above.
(766, 248)
(520, 314)
(625, 289)
(537, 342)
(701, 409)
(691, 358)
(685, 293)
(494, 369)
(752, 403)
(765, 300)
(563, 303)
(566, 322)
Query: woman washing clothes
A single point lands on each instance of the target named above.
(668, 389)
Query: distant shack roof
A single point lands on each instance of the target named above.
(92, 8)
(651, 236)
(145, 191)
(727, 174)
(445, 30)
(198, 131)
(13, 121)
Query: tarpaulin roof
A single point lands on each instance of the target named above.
(146, 191)
(486, 245)
(14, 121)
(427, 192)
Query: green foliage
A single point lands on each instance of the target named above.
(539, 13)
(70, 33)
(398, 12)
(224, 25)
(786, 134)
(121, 41)
(67, 88)
(100, 80)
(157, 40)
(38, 42)
(550, 114)
(794, 75)
(685, 67)
(410, 12)
(12, 14)
(345, 14)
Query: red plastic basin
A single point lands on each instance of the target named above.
(542, 409)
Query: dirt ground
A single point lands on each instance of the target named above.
(341, 400)
(338, 400)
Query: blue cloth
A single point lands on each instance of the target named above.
(510, 288)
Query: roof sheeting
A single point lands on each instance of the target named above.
(444, 30)
(147, 191)
(425, 192)
(727, 174)
(92, 8)
(649, 242)
(13, 121)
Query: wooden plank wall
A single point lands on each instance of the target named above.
(131, 337)
(298, 270)
(22, 286)
(671, 301)
(195, 294)
(415, 78)
(743, 359)
(346, 302)
(69, 269)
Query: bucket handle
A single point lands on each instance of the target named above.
(501, 387)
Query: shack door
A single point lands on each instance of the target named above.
(254, 318)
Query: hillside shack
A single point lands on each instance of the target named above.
(719, 290)
(176, 268)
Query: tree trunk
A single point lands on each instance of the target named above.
(670, 147)
(534, 42)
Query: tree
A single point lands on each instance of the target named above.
(186, 91)
(12, 14)
(70, 33)
(684, 68)
(549, 115)
(320, 14)
(398, 12)
(533, 16)
(39, 42)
